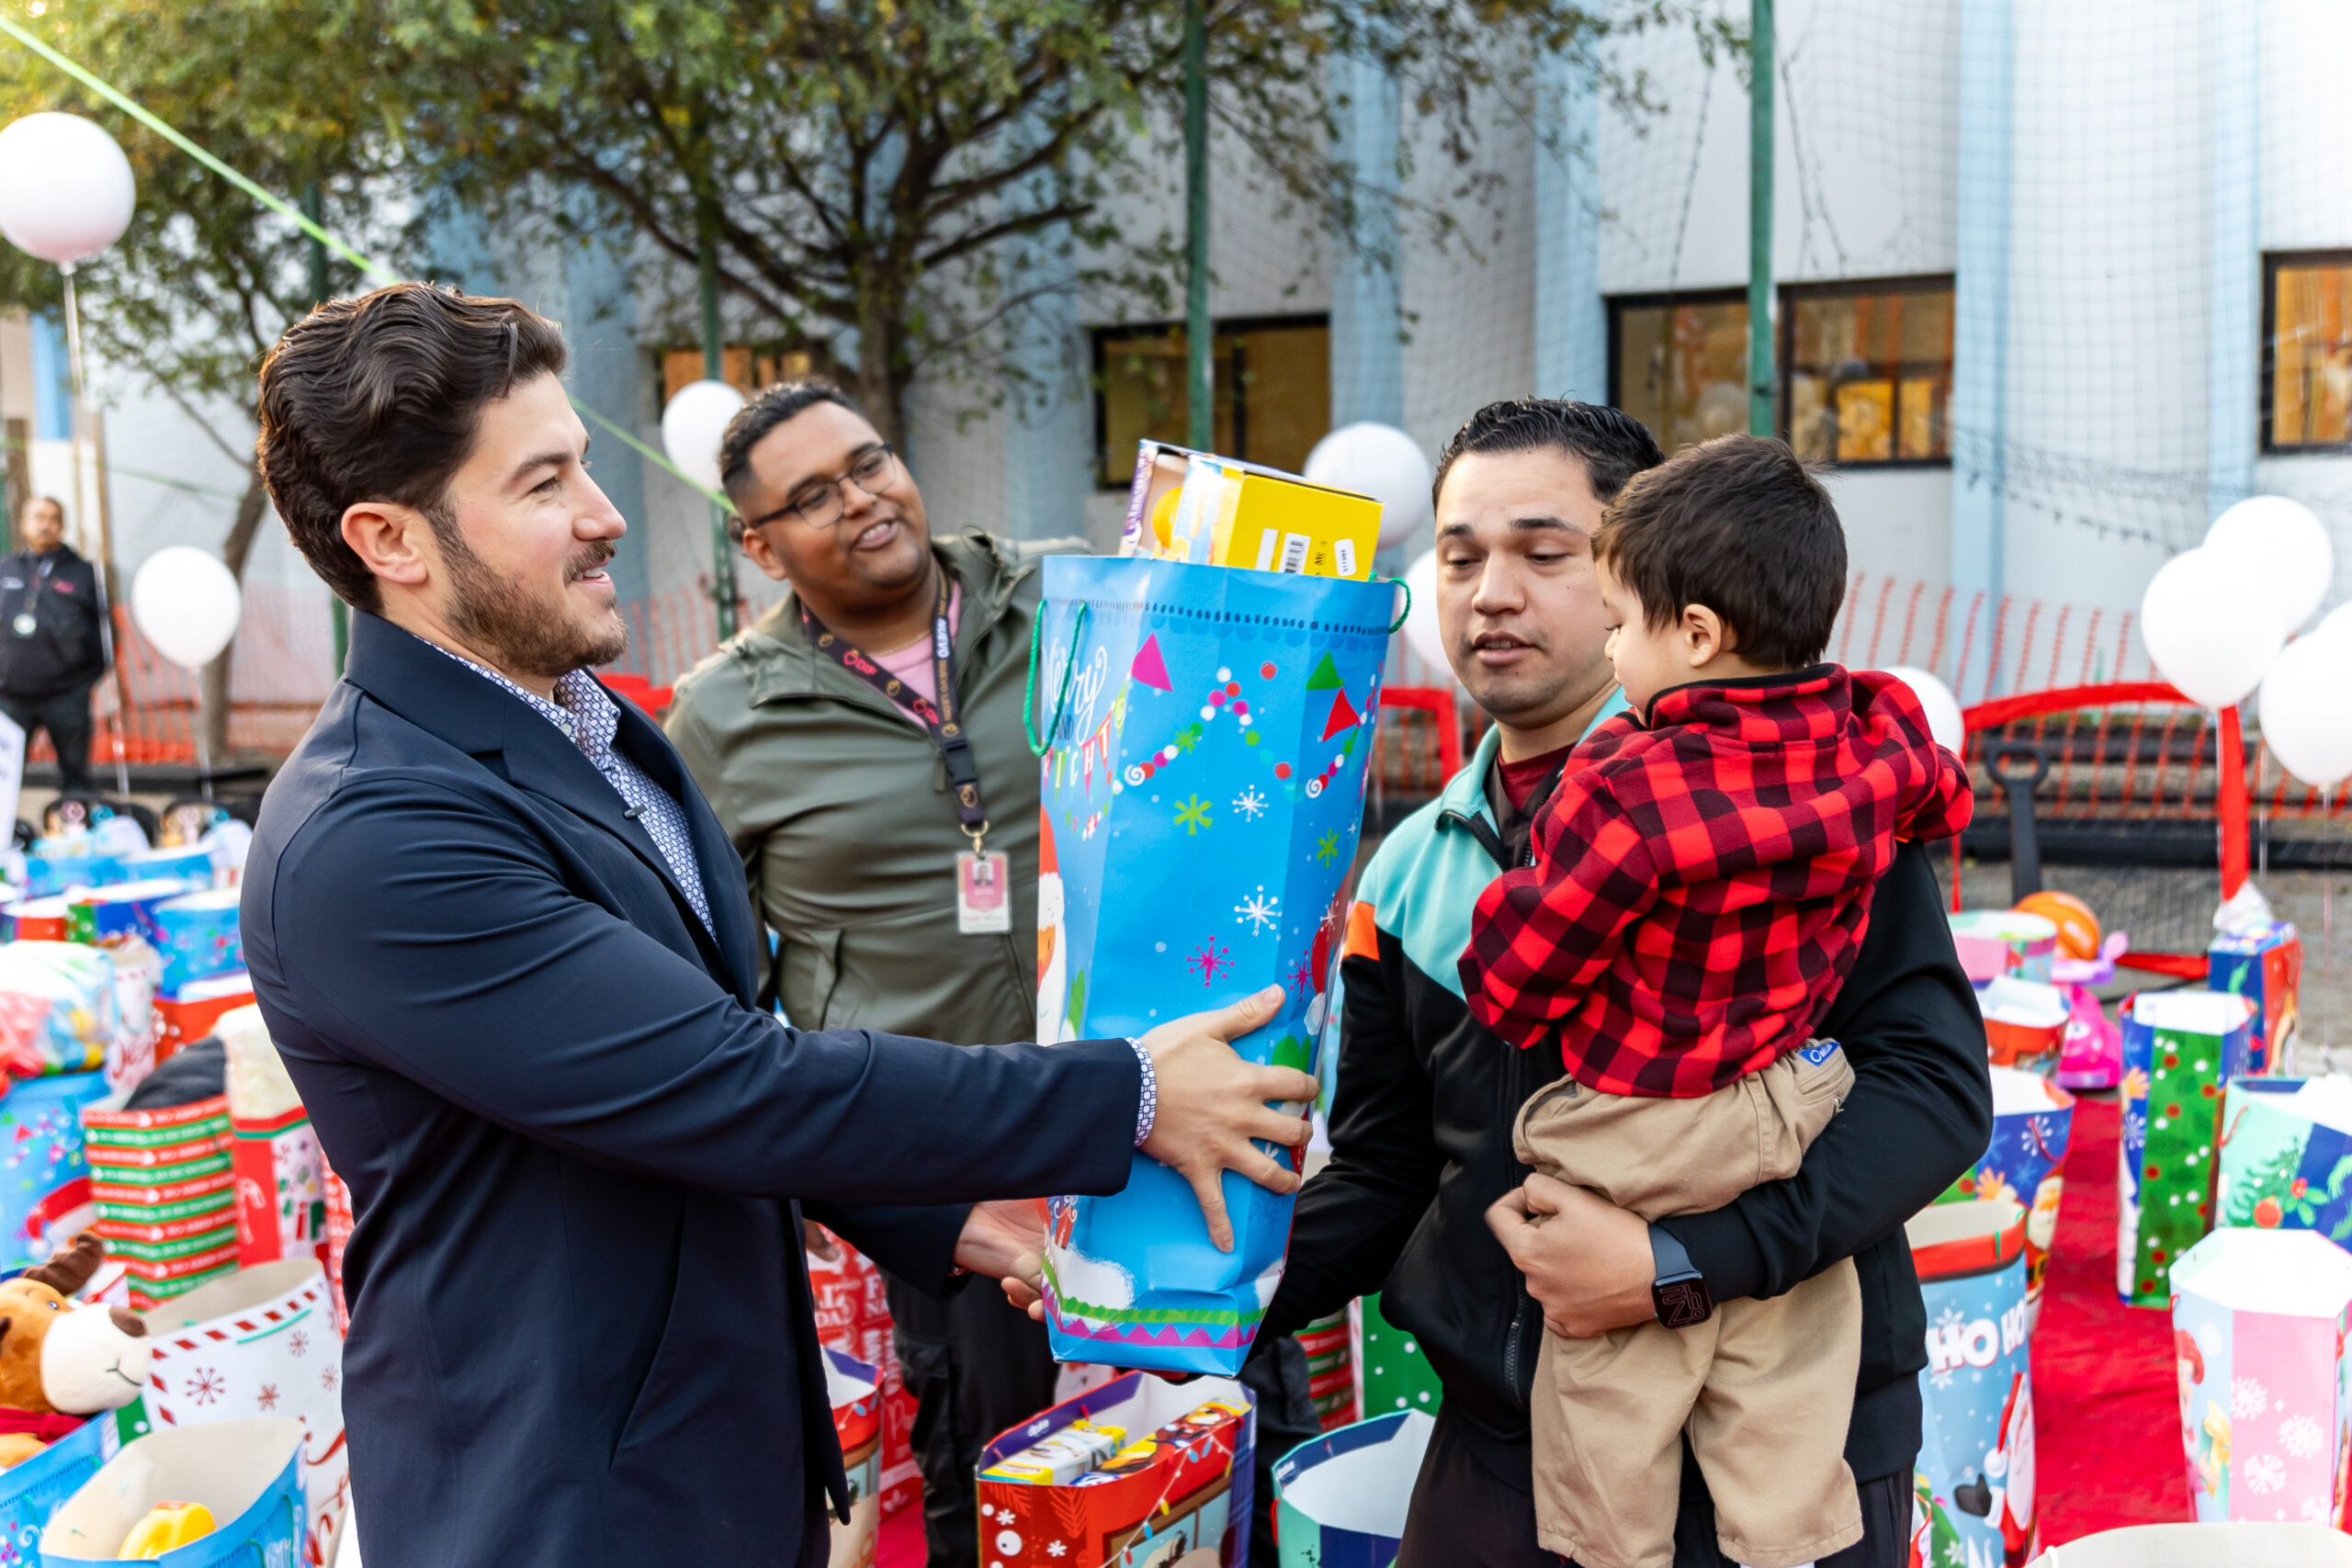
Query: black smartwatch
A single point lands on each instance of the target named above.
(1678, 1292)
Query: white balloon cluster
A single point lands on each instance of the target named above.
(2216, 620)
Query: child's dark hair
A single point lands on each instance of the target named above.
(1740, 526)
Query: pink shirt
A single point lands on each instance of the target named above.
(912, 663)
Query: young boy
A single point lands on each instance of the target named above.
(1699, 886)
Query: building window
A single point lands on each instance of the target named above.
(747, 371)
(1866, 370)
(1272, 387)
(2307, 352)
(1678, 363)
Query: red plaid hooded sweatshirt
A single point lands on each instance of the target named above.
(1702, 882)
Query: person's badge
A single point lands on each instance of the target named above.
(25, 624)
(983, 893)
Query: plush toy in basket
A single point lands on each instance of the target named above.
(61, 1364)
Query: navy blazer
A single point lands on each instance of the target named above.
(580, 1318)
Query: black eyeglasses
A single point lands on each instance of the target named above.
(819, 502)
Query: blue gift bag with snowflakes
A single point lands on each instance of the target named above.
(1206, 732)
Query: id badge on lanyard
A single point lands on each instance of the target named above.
(983, 876)
(26, 622)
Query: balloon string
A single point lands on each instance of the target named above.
(376, 270)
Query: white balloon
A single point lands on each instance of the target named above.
(65, 188)
(2287, 547)
(2335, 625)
(2211, 625)
(692, 425)
(2307, 711)
(1420, 622)
(1383, 462)
(187, 604)
(1944, 723)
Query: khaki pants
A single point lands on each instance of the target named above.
(1764, 1388)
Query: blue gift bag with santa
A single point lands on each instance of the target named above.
(1205, 734)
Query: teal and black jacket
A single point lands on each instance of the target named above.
(1421, 1136)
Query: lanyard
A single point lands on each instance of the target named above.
(939, 720)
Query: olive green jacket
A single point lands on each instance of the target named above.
(840, 805)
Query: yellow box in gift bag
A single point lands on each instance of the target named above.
(1211, 511)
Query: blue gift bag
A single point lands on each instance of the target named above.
(1339, 1499)
(32, 1491)
(249, 1473)
(1206, 733)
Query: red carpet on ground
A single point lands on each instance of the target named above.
(2107, 1424)
(2107, 1429)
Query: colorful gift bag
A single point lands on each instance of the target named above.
(2267, 968)
(164, 1184)
(1396, 1375)
(186, 1014)
(31, 1491)
(1193, 1494)
(58, 1012)
(259, 1342)
(247, 1473)
(2031, 940)
(2205, 1546)
(2024, 1023)
(199, 936)
(1339, 1499)
(281, 1174)
(45, 1198)
(1330, 1368)
(2180, 1048)
(853, 1316)
(2258, 1324)
(1976, 1453)
(1207, 733)
(2032, 1119)
(856, 1391)
(2287, 1155)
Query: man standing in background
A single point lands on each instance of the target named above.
(54, 649)
(890, 836)
(864, 745)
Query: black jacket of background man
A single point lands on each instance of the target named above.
(1421, 1123)
(581, 1331)
(64, 649)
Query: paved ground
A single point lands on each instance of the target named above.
(2169, 910)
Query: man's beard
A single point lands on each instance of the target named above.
(518, 633)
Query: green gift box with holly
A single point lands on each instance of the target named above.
(2287, 1155)
(2181, 1050)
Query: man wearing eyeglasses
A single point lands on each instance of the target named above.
(863, 745)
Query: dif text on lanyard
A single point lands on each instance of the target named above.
(983, 880)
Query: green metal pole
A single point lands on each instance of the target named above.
(314, 209)
(714, 367)
(1763, 385)
(1200, 339)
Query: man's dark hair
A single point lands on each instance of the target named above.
(1740, 526)
(1612, 444)
(379, 399)
(767, 410)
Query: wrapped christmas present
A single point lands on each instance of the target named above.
(199, 936)
(1133, 1474)
(244, 1476)
(2024, 1023)
(2265, 965)
(2180, 1049)
(1340, 1498)
(2032, 1120)
(2259, 1324)
(2287, 1155)
(1976, 1453)
(1206, 737)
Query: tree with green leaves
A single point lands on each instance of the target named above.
(865, 176)
(206, 278)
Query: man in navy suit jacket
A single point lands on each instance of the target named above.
(508, 955)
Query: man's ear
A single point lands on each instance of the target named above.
(763, 555)
(393, 541)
